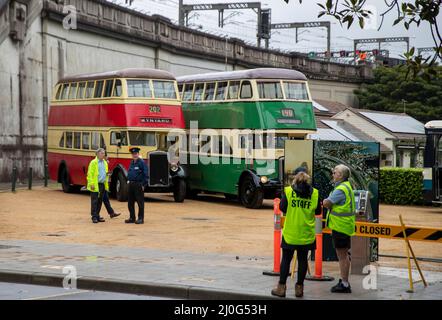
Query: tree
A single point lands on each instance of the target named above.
(408, 12)
(392, 91)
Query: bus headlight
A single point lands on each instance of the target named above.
(174, 167)
(264, 179)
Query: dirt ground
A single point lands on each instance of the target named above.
(210, 224)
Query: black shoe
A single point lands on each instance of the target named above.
(94, 220)
(129, 221)
(340, 288)
(139, 221)
(114, 215)
(100, 219)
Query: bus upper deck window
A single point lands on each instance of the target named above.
(246, 90)
(81, 89)
(89, 89)
(118, 88)
(188, 92)
(210, 91)
(270, 90)
(58, 94)
(296, 90)
(99, 89)
(65, 91)
(233, 90)
(164, 89)
(73, 91)
(199, 89)
(221, 91)
(108, 88)
(139, 89)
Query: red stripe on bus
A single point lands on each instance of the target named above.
(118, 115)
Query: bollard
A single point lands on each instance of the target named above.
(14, 178)
(318, 276)
(276, 240)
(46, 175)
(30, 179)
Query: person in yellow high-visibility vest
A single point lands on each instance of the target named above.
(300, 202)
(341, 207)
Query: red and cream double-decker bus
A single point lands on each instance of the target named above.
(116, 110)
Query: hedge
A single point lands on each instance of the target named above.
(403, 186)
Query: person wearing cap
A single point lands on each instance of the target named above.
(137, 179)
(340, 219)
(97, 183)
(300, 202)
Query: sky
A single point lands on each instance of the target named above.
(242, 24)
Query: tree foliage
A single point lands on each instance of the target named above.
(391, 91)
(401, 186)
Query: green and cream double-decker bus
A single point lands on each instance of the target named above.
(236, 124)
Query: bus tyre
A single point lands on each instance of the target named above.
(250, 195)
(66, 183)
(121, 187)
(179, 190)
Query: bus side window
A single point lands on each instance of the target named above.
(102, 144)
(73, 91)
(77, 140)
(118, 137)
(233, 90)
(180, 90)
(65, 91)
(246, 90)
(199, 90)
(227, 147)
(210, 91)
(108, 88)
(80, 91)
(188, 92)
(58, 94)
(99, 89)
(61, 143)
(69, 140)
(86, 141)
(95, 140)
(118, 90)
(221, 91)
(89, 89)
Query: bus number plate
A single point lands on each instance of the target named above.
(154, 109)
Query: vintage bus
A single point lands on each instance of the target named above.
(433, 162)
(272, 104)
(116, 110)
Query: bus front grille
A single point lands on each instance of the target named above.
(158, 169)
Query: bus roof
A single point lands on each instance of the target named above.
(260, 73)
(143, 73)
(434, 124)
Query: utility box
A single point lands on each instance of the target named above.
(360, 246)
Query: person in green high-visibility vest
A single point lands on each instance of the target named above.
(300, 202)
(341, 207)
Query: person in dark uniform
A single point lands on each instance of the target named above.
(137, 179)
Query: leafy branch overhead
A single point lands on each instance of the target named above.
(408, 13)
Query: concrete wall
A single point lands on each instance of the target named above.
(35, 53)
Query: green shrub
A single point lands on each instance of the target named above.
(401, 186)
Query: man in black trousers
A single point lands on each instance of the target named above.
(137, 179)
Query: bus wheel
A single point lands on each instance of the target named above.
(66, 183)
(250, 196)
(121, 187)
(179, 190)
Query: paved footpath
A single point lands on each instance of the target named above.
(182, 274)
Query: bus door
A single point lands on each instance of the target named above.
(437, 169)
